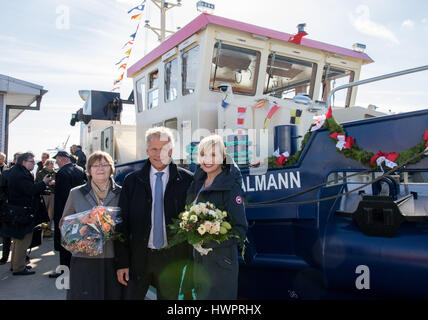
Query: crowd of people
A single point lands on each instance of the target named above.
(149, 200)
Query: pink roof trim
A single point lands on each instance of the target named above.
(204, 19)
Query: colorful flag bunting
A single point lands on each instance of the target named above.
(123, 66)
(122, 59)
(131, 42)
(136, 17)
(119, 79)
(128, 52)
(295, 116)
(259, 104)
(273, 107)
(116, 88)
(140, 7)
(241, 116)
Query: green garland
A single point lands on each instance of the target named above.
(354, 152)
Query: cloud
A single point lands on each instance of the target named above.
(424, 20)
(408, 24)
(362, 23)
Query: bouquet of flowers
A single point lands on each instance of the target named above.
(86, 232)
(199, 224)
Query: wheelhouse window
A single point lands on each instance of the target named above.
(171, 80)
(287, 77)
(141, 95)
(190, 70)
(153, 92)
(235, 65)
(335, 78)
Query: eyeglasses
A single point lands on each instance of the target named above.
(101, 166)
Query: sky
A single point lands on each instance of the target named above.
(71, 45)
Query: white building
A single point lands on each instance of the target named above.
(16, 96)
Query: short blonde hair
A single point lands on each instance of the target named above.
(99, 155)
(48, 162)
(161, 133)
(210, 142)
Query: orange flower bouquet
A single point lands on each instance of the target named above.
(86, 232)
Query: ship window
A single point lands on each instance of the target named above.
(286, 77)
(141, 94)
(335, 78)
(234, 65)
(414, 177)
(171, 80)
(190, 70)
(356, 178)
(153, 93)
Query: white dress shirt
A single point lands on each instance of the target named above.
(153, 178)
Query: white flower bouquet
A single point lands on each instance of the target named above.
(199, 224)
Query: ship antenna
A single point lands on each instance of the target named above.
(163, 6)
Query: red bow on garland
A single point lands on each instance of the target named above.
(343, 141)
(281, 159)
(389, 159)
(425, 138)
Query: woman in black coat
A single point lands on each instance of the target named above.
(219, 181)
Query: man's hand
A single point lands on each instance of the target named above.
(123, 276)
(47, 179)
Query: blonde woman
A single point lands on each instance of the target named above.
(218, 180)
(94, 277)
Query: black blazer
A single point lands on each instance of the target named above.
(136, 206)
(68, 177)
(22, 191)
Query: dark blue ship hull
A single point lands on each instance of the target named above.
(306, 251)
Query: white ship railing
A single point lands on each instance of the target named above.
(386, 76)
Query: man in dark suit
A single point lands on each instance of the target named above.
(150, 199)
(22, 195)
(7, 241)
(68, 177)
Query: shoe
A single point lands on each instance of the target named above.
(3, 261)
(26, 267)
(24, 272)
(54, 275)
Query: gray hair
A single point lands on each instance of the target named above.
(25, 157)
(162, 133)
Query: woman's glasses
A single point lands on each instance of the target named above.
(100, 166)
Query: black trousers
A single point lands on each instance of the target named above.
(6, 248)
(64, 257)
(162, 271)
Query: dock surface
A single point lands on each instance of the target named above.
(43, 260)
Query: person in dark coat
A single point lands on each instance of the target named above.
(68, 176)
(7, 241)
(94, 277)
(150, 199)
(2, 162)
(41, 164)
(23, 196)
(81, 157)
(219, 181)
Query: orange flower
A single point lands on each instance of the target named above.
(83, 230)
(106, 227)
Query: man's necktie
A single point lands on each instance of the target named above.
(158, 217)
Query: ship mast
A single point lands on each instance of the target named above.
(163, 6)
